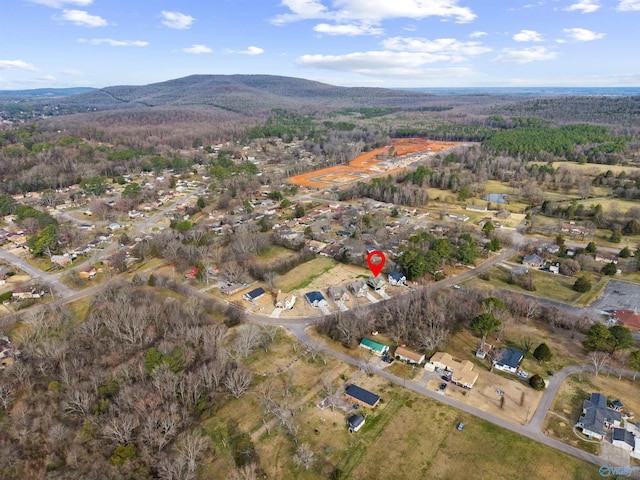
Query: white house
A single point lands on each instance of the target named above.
(285, 300)
(397, 279)
(508, 360)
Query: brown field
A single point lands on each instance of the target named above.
(368, 163)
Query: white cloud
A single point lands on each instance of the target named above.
(446, 46)
(477, 34)
(61, 3)
(251, 50)
(176, 20)
(83, 19)
(17, 65)
(629, 6)
(527, 36)
(348, 30)
(527, 55)
(383, 64)
(47, 78)
(71, 72)
(582, 34)
(114, 43)
(584, 6)
(197, 49)
(373, 11)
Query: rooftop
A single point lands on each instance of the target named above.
(365, 396)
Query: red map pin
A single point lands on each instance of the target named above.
(375, 268)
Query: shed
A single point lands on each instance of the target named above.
(361, 396)
(355, 423)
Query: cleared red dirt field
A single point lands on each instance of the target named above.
(368, 164)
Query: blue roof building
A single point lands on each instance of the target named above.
(361, 396)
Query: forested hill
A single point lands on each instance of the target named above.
(244, 94)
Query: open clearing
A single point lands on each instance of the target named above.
(375, 162)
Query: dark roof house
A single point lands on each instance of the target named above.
(596, 417)
(315, 299)
(254, 294)
(361, 396)
(508, 360)
(397, 278)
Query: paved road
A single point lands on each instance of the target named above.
(533, 430)
(52, 280)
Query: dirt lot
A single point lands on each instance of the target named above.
(369, 163)
(483, 396)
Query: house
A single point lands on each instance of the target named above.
(338, 294)
(397, 279)
(315, 299)
(596, 417)
(254, 294)
(375, 347)
(359, 288)
(193, 273)
(606, 258)
(24, 293)
(574, 229)
(61, 260)
(508, 360)
(628, 318)
(462, 370)
(534, 261)
(344, 233)
(376, 283)
(285, 300)
(231, 289)
(409, 356)
(88, 272)
(624, 439)
(355, 423)
(360, 396)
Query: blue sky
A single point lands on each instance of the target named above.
(386, 43)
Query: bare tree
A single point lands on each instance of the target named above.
(238, 381)
(248, 471)
(599, 360)
(120, 428)
(527, 343)
(304, 456)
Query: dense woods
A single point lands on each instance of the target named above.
(120, 394)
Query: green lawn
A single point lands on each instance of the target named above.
(548, 285)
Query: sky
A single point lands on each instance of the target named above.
(380, 43)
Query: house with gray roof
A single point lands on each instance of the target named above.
(597, 418)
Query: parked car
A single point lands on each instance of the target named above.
(443, 386)
(460, 426)
(550, 372)
(457, 287)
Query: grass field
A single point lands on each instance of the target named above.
(548, 285)
(409, 435)
(302, 275)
